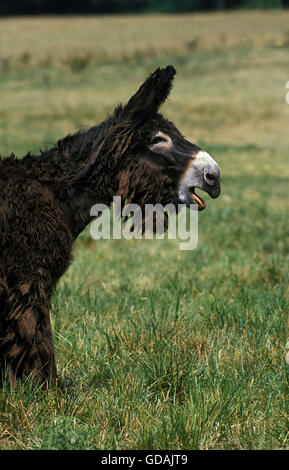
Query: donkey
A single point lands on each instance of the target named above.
(45, 204)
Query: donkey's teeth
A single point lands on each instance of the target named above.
(199, 201)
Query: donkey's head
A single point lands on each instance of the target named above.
(158, 165)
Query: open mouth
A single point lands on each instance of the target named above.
(196, 199)
(201, 203)
(190, 197)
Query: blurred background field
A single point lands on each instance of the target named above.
(160, 348)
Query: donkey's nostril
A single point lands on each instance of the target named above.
(210, 178)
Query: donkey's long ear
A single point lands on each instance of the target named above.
(153, 92)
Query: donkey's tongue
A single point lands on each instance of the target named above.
(199, 200)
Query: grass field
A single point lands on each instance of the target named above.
(162, 348)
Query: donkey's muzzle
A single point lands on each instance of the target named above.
(212, 183)
(202, 173)
(213, 191)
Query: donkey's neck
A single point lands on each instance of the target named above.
(80, 174)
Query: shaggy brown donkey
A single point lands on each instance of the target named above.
(45, 203)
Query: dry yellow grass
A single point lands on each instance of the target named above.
(233, 69)
(115, 37)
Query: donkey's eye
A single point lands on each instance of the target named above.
(160, 142)
(158, 139)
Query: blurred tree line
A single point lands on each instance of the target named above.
(31, 7)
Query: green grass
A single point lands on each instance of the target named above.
(160, 348)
